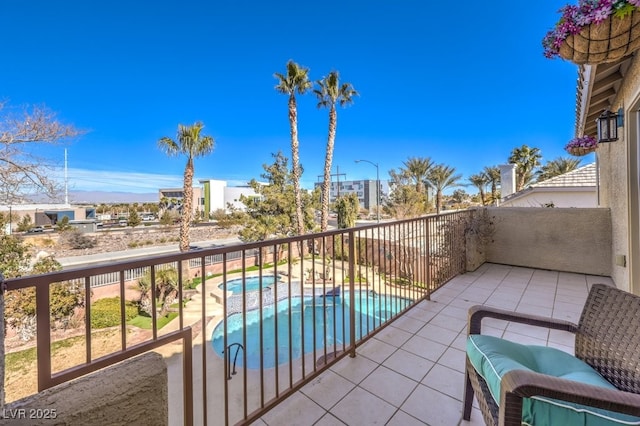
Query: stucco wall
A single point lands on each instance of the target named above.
(565, 198)
(572, 240)
(133, 392)
(615, 175)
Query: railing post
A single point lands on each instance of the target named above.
(352, 294)
(187, 379)
(427, 225)
(2, 338)
(43, 333)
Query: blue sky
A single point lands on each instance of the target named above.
(463, 83)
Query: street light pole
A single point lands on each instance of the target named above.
(377, 186)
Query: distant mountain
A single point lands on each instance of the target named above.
(97, 197)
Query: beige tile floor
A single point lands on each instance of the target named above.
(411, 373)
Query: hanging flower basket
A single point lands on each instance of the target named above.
(581, 146)
(595, 32)
(608, 41)
(580, 151)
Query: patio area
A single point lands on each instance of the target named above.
(412, 372)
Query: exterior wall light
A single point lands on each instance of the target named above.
(608, 123)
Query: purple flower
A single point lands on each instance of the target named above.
(601, 14)
(582, 142)
(584, 20)
(574, 18)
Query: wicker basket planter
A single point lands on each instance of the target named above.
(608, 41)
(579, 151)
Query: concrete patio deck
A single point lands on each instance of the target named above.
(412, 372)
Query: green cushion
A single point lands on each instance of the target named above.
(493, 357)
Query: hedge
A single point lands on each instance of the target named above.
(106, 312)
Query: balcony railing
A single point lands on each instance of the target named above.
(271, 315)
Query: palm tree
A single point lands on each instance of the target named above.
(296, 80)
(192, 144)
(526, 159)
(330, 93)
(417, 169)
(403, 200)
(557, 167)
(493, 176)
(442, 177)
(166, 290)
(480, 181)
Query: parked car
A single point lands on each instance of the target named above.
(35, 229)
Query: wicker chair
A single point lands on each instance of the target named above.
(607, 338)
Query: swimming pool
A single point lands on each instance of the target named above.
(329, 314)
(251, 284)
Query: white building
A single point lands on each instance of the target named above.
(217, 195)
(577, 188)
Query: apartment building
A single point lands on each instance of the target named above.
(364, 189)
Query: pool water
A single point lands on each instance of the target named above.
(251, 284)
(327, 313)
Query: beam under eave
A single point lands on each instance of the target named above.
(603, 68)
(606, 83)
(603, 96)
(595, 109)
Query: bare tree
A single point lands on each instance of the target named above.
(22, 172)
(22, 131)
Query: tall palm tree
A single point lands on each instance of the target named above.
(331, 93)
(192, 144)
(296, 80)
(527, 160)
(442, 177)
(480, 181)
(557, 167)
(493, 176)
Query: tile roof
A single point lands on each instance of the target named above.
(580, 177)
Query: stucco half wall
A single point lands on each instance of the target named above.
(562, 239)
(133, 392)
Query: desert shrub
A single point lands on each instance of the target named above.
(25, 223)
(168, 218)
(47, 242)
(228, 220)
(20, 305)
(132, 244)
(78, 240)
(106, 312)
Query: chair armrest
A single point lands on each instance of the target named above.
(478, 312)
(525, 384)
